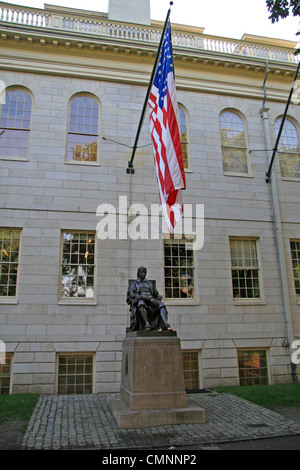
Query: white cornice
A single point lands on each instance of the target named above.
(48, 51)
(27, 36)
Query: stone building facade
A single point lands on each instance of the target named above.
(73, 84)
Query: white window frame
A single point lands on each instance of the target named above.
(295, 124)
(198, 352)
(77, 353)
(82, 162)
(247, 174)
(294, 240)
(9, 356)
(183, 300)
(78, 300)
(266, 350)
(248, 300)
(28, 130)
(188, 142)
(13, 299)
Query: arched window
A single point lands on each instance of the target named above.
(83, 132)
(233, 142)
(184, 136)
(15, 124)
(288, 149)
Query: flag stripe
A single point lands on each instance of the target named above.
(164, 127)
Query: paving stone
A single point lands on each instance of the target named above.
(85, 421)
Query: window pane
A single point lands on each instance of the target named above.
(13, 143)
(253, 368)
(84, 115)
(191, 370)
(16, 110)
(288, 148)
(244, 269)
(184, 136)
(289, 139)
(82, 148)
(234, 160)
(232, 130)
(9, 257)
(5, 372)
(75, 374)
(233, 142)
(184, 147)
(15, 124)
(83, 130)
(179, 283)
(77, 268)
(295, 252)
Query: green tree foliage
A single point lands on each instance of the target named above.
(281, 8)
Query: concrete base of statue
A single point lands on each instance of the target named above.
(152, 384)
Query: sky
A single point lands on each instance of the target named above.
(227, 18)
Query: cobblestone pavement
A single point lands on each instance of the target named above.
(85, 421)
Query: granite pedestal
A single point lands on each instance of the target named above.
(152, 384)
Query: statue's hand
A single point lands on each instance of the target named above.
(134, 296)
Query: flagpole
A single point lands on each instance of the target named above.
(130, 168)
(268, 174)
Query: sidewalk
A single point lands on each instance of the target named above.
(85, 421)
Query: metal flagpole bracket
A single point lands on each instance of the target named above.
(130, 169)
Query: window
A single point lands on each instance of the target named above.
(179, 269)
(15, 124)
(295, 251)
(78, 266)
(253, 367)
(245, 269)
(288, 149)
(233, 142)
(5, 373)
(9, 262)
(191, 370)
(83, 130)
(184, 136)
(75, 374)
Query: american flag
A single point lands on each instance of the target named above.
(165, 133)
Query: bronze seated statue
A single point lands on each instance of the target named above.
(147, 310)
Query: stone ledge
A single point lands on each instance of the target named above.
(128, 419)
(147, 334)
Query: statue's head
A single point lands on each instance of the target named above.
(141, 268)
